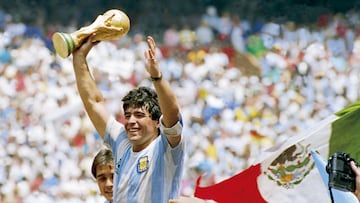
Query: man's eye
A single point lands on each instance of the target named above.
(139, 115)
(136, 115)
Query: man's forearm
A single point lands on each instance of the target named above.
(168, 104)
(91, 96)
(86, 85)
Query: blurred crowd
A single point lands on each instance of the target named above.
(243, 87)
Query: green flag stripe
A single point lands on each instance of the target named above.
(345, 132)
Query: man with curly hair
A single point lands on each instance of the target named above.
(148, 148)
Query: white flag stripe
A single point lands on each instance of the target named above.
(296, 180)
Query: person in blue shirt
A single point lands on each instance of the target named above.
(148, 148)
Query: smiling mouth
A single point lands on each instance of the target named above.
(132, 130)
(109, 193)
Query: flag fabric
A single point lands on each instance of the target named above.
(339, 196)
(287, 172)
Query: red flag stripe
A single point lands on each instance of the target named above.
(241, 188)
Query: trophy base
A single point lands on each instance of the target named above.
(64, 44)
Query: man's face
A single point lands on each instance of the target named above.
(140, 128)
(104, 179)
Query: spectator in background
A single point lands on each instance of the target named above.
(255, 45)
(237, 35)
(139, 46)
(187, 37)
(171, 40)
(204, 34)
(211, 17)
(171, 37)
(225, 26)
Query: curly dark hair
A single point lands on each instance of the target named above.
(143, 97)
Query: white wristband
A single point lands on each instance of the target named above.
(175, 130)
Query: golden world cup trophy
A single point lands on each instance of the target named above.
(113, 24)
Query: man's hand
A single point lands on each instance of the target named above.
(85, 47)
(151, 62)
(357, 173)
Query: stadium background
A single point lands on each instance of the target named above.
(32, 84)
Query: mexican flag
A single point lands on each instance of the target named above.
(287, 172)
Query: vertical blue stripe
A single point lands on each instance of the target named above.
(158, 176)
(175, 183)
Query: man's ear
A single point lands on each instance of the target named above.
(158, 124)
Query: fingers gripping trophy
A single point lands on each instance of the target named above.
(113, 24)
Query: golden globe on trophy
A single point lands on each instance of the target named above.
(113, 24)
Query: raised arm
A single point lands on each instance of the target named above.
(90, 94)
(167, 99)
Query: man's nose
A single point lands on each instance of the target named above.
(109, 182)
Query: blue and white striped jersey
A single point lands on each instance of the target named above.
(152, 175)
